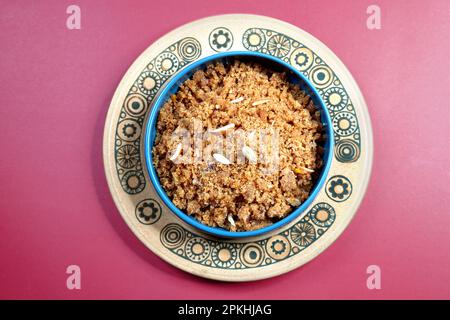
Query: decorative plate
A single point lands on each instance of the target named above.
(270, 254)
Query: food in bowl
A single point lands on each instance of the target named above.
(238, 146)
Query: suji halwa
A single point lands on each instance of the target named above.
(276, 171)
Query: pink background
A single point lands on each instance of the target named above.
(55, 206)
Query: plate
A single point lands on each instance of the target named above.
(273, 253)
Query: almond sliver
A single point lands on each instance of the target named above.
(220, 158)
(224, 128)
(300, 169)
(237, 100)
(231, 220)
(258, 102)
(249, 154)
(176, 153)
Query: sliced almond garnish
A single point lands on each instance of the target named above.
(231, 220)
(294, 202)
(224, 128)
(258, 102)
(237, 100)
(176, 153)
(249, 154)
(302, 169)
(220, 158)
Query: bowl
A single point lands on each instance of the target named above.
(172, 86)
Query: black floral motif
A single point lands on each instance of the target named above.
(339, 188)
(301, 59)
(221, 44)
(278, 246)
(151, 215)
(148, 211)
(221, 39)
(129, 130)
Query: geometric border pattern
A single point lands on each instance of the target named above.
(230, 255)
(135, 107)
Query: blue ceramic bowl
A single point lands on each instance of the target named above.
(172, 86)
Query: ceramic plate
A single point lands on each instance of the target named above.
(270, 254)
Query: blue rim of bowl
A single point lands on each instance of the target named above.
(150, 134)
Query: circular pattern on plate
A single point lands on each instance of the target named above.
(253, 39)
(302, 59)
(133, 182)
(322, 215)
(129, 130)
(335, 99)
(346, 151)
(252, 255)
(278, 247)
(189, 49)
(221, 39)
(148, 211)
(303, 234)
(149, 83)
(172, 236)
(127, 156)
(344, 123)
(197, 249)
(223, 255)
(279, 46)
(321, 76)
(339, 188)
(135, 105)
(167, 63)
